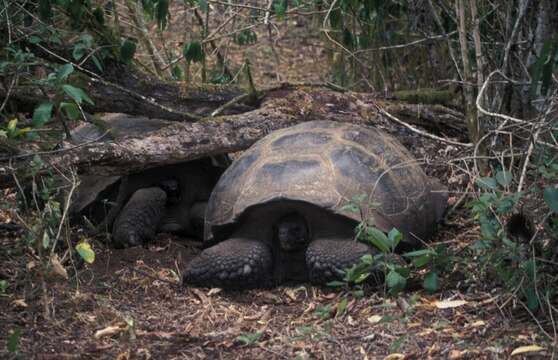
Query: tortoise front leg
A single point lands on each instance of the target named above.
(232, 264)
(326, 259)
(140, 218)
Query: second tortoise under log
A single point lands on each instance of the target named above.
(169, 198)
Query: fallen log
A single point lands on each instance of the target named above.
(230, 133)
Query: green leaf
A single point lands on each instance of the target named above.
(70, 109)
(99, 15)
(487, 183)
(64, 71)
(359, 198)
(84, 250)
(3, 134)
(79, 51)
(350, 208)
(335, 18)
(12, 125)
(395, 282)
(193, 52)
(127, 51)
(203, 5)
(280, 8)
(13, 340)
(537, 69)
(421, 260)
(46, 240)
(76, 94)
(532, 299)
(177, 73)
(395, 237)
(348, 40)
(162, 13)
(97, 62)
(420, 252)
(248, 338)
(430, 282)
(42, 114)
(378, 239)
(335, 283)
(3, 286)
(550, 195)
(45, 9)
(341, 307)
(504, 178)
(367, 259)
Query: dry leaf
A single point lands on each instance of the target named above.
(448, 304)
(57, 267)
(458, 354)
(478, 323)
(394, 356)
(291, 294)
(527, 349)
(108, 331)
(374, 319)
(20, 303)
(214, 291)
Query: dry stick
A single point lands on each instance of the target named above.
(270, 37)
(420, 132)
(412, 43)
(228, 104)
(75, 184)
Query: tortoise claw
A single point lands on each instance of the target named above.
(232, 264)
(326, 259)
(140, 218)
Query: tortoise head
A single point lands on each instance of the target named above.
(292, 232)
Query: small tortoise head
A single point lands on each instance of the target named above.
(292, 232)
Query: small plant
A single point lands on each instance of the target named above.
(249, 338)
(502, 256)
(3, 286)
(385, 262)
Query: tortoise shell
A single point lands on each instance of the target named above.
(330, 164)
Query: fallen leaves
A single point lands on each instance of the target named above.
(374, 319)
(109, 331)
(58, 268)
(527, 349)
(449, 304)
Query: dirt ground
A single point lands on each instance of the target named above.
(129, 304)
(133, 296)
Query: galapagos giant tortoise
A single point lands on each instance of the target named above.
(169, 198)
(278, 212)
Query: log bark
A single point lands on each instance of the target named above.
(131, 93)
(184, 141)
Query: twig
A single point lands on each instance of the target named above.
(412, 43)
(228, 104)
(75, 183)
(420, 132)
